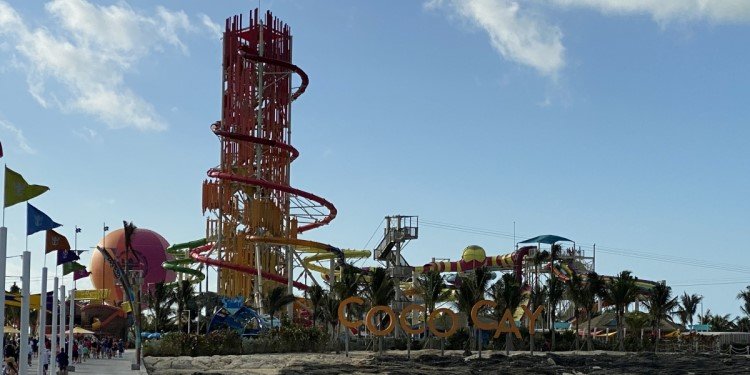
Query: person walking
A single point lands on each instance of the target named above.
(44, 359)
(62, 362)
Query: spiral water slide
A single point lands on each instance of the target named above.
(312, 211)
(182, 261)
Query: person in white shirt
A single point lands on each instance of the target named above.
(44, 359)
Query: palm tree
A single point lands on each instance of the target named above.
(591, 289)
(276, 299)
(660, 304)
(620, 292)
(574, 291)
(330, 312)
(465, 301)
(208, 301)
(539, 298)
(381, 292)
(704, 318)
(636, 321)
(431, 287)
(744, 295)
(688, 307)
(349, 283)
(158, 302)
(507, 293)
(315, 294)
(555, 292)
(183, 296)
(721, 323)
(743, 324)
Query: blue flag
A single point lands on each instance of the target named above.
(66, 256)
(37, 220)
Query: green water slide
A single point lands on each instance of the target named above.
(182, 261)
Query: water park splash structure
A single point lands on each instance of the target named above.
(257, 214)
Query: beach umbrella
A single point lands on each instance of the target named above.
(80, 331)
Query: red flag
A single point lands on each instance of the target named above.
(55, 241)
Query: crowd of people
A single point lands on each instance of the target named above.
(83, 348)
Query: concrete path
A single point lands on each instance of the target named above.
(114, 366)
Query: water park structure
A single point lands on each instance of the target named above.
(256, 217)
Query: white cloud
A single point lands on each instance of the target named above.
(23, 144)
(210, 25)
(87, 134)
(718, 11)
(88, 49)
(518, 36)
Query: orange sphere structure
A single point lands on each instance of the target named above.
(148, 254)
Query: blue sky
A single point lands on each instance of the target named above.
(620, 124)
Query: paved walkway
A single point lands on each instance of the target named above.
(114, 366)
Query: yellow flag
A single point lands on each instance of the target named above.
(17, 190)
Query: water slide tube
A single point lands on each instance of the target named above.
(310, 261)
(182, 260)
(474, 256)
(304, 245)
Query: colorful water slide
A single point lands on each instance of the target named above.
(310, 261)
(302, 246)
(182, 261)
(474, 256)
(565, 270)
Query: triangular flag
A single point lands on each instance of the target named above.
(80, 274)
(72, 267)
(55, 241)
(17, 190)
(37, 220)
(66, 256)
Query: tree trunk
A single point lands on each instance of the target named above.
(553, 331)
(620, 336)
(577, 316)
(589, 343)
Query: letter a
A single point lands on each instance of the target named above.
(507, 325)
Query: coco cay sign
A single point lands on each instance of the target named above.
(505, 325)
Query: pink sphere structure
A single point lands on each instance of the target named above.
(148, 254)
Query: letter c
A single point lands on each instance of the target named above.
(342, 307)
(405, 325)
(475, 315)
(371, 314)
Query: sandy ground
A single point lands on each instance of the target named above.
(430, 362)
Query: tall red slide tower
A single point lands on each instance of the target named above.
(255, 213)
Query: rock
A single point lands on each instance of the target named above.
(551, 362)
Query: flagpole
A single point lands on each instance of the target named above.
(75, 246)
(24, 352)
(54, 332)
(42, 335)
(3, 253)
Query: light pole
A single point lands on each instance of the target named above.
(105, 228)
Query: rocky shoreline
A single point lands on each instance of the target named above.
(430, 362)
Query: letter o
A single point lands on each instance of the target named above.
(475, 315)
(454, 322)
(342, 318)
(371, 314)
(405, 325)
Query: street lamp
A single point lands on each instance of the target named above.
(105, 228)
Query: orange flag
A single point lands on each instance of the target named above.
(55, 241)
